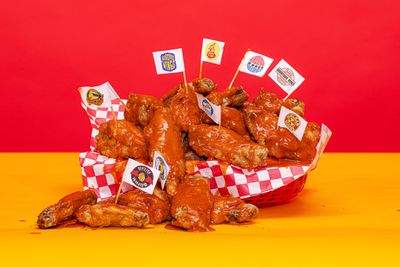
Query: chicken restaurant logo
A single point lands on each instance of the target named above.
(292, 122)
(94, 97)
(142, 176)
(207, 107)
(168, 61)
(285, 76)
(255, 64)
(212, 51)
(159, 164)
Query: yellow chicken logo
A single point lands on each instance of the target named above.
(141, 177)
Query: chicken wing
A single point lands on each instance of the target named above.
(203, 85)
(271, 103)
(156, 205)
(231, 118)
(110, 214)
(140, 109)
(185, 109)
(121, 139)
(65, 208)
(163, 136)
(281, 143)
(191, 206)
(234, 97)
(228, 209)
(226, 145)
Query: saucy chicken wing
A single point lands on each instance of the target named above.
(65, 209)
(271, 103)
(191, 206)
(231, 118)
(228, 209)
(234, 97)
(163, 135)
(155, 205)
(140, 109)
(281, 143)
(203, 85)
(185, 109)
(226, 145)
(110, 214)
(121, 139)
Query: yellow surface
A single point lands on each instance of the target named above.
(348, 214)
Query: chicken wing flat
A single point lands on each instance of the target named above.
(226, 145)
(234, 97)
(140, 109)
(185, 109)
(121, 139)
(163, 135)
(203, 85)
(231, 118)
(191, 206)
(228, 209)
(156, 206)
(271, 103)
(110, 214)
(281, 143)
(65, 209)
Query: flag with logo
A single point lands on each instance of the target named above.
(293, 122)
(255, 64)
(212, 111)
(160, 164)
(169, 61)
(286, 77)
(140, 176)
(100, 95)
(212, 50)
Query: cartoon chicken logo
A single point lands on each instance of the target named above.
(211, 51)
(142, 176)
(292, 122)
(94, 97)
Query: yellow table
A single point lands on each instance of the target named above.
(348, 214)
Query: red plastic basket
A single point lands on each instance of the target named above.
(279, 196)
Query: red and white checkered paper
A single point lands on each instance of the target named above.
(98, 171)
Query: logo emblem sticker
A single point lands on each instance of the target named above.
(140, 176)
(168, 61)
(285, 76)
(207, 107)
(255, 64)
(212, 51)
(160, 164)
(292, 122)
(94, 97)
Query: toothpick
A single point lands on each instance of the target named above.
(201, 69)
(112, 113)
(237, 70)
(119, 192)
(184, 80)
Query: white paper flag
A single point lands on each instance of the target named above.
(212, 51)
(160, 164)
(255, 64)
(213, 111)
(100, 95)
(286, 77)
(292, 121)
(140, 176)
(169, 61)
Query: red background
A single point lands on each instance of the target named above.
(348, 51)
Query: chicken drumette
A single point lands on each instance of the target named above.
(228, 209)
(164, 136)
(226, 145)
(231, 118)
(65, 208)
(140, 109)
(234, 97)
(121, 139)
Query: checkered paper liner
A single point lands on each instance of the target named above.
(98, 172)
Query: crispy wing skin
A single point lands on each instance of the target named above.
(192, 205)
(110, 214)
(156, 206)
(271, 103)
(228, 209)
(121, 139)
(140, 109)
(226, 145)
(65, 208)
(203, 85)
(231, 118)
(185, 109)
(281, 143)
(234, 97)
(163, 135)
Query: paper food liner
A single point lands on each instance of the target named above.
(102, 174)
